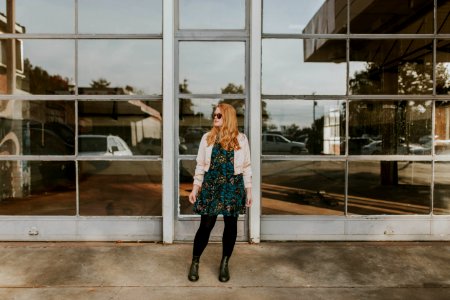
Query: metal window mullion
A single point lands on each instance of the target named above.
(364, 36)
(211, 96)
(80, 97)
(70, 36)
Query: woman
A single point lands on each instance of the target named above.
(223, 177)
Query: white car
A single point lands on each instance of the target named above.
(103, 145)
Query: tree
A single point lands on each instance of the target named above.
(41, 82)
(100, 83)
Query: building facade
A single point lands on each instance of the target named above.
(346, 104)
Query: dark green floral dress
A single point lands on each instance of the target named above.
(222, 193)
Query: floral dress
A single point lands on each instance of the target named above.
(222, 193)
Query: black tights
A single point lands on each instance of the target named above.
(228, 239)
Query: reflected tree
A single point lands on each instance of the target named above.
(100, 83)
(41, 82)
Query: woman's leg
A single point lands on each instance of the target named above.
(202, 236)
(229, 235)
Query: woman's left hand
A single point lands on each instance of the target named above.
(248, 202)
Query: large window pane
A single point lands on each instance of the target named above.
(117, 16)
(443, 21)
(443, 67)
(303, 126)
(212, 14)
(196, 119)
(409, 17)
(212, 67)
(303, 67)
(442, 128)
(303, 187)
(441, 200)
(42, 67)
(120, 188)
(46, 16)
(120, 128)
(120, 67)
(304, 16)
(402, 67)
(37, 127)
(389, 187)
(390, 127)
(187, 168)
(37, 188)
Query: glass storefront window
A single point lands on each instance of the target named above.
(303, 127)
(120, 128)
(442, 128)
(211, 14)
(120, 188)
(187, 168)
(390, 127)
(212, 67)
(46, 16)
(303, 67)
(120, 17)
(195, 119)
(37, 127)
(303, 187)
(441, 200)
(120, 67)
(403, 67)
(389, 187)
(443, 22)
(42, 67)
(391, 17)
(443, 67)
(37, 188)
(304, 16)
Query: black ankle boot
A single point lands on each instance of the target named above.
(224, 274)
(193, 271)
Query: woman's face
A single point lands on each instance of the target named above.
(218, 118)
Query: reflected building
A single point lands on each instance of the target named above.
(345, 103)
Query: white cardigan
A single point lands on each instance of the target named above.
(242, 163)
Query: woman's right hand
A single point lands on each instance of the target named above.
(193, 194)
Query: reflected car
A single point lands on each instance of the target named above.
(375, 148)
(277, 143)
(103, 145)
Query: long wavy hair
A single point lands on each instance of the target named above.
(226, 134)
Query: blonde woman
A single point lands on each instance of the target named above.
(222, 185)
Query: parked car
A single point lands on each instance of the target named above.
(277, 143)
(104, 145)
(375, 148)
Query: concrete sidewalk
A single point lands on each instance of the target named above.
(300, 270)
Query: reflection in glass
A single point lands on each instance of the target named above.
(196, 120)
(37, 188)
(187, 168)
(212, 67)
(441, 200)
(37, 127)
(120, 188)
(212, 14)
(306, 67)
(443, 21)
(390, 127)
(442, 128)
(117, 16)
(402, 17)
(303, 126)
(46, 16)
(120, 128)
(402, 67)
(118, 67)
(304, 16)
(443, 66)
(389, 187)
(303, 187)
(42, 67)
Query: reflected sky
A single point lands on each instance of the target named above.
(210, 66)
(285, 72)
(212, 14)
(290, 17)
(137, 63)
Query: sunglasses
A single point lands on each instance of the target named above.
(219, 116)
